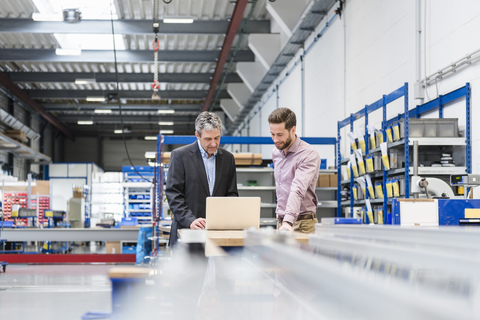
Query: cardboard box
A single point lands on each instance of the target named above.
(323, 180)
(333, 180)
(113, 247)
(246, 159)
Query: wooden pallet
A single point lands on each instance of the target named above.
(18, 135)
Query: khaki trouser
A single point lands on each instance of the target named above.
(303, 226)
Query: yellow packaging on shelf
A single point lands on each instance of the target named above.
(371, 193)
(348, 172)
(396, 188)
(355, 196)
(370, 216)
(389, 187)
(361, 167)
(373, 145)
(396, 132)
(362, 145)
(369, 164)
(354, 146)
(460, 190)
(364, 190)
(380, 215)
(355, 171)
(388, 131)
(379, 190)
(380, 136)
(386, 163)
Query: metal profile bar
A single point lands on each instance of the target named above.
(457, 238)
(437, 257)
(362, 296)
(468, 93)
(406, 145)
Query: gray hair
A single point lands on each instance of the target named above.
(207, 121)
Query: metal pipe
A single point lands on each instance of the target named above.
(418, 92)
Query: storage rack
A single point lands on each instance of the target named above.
(138, 192)
(438, 103)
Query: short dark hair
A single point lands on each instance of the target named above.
(281, 115)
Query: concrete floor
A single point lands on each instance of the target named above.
(54, 291)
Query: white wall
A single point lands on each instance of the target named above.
(369, 52)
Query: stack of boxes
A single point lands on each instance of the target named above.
(327, 180)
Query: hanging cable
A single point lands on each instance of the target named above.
(155, 46)
(119, 100)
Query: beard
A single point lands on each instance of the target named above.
(286, 144)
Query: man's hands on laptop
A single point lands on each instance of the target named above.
(198, 223)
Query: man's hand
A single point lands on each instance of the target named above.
(286, 226)
(198, 223)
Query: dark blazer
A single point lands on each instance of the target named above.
(187, 185)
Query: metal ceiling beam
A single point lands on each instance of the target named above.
(123, 94)
(123, 56)
(140, 27)
(131, 119)
(14, 89)
(225, 53)
(110, 77)
(125, 107)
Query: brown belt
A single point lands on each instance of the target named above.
(302, 217)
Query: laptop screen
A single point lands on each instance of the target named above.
(232, 213)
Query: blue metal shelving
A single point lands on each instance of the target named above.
(438, 103)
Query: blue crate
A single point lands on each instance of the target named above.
(129, 250)
(6, 224)
(129, 221)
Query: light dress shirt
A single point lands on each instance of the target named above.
(209, 164)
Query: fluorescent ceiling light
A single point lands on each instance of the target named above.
(105, 111)
(163, 111)
(178, 20)
(85, 122)
(166, 131)
(68, 52)
(165, 123)
(90, 41)
(118, 131)
(150, 137)
(85, 81)
(96, 99)
(37, 16)
(150, 154)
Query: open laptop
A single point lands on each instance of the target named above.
(232, 213)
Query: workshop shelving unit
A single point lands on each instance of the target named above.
(107, 196)
(460, 147)
(138, 193)
(43, 205)
(11, 199)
